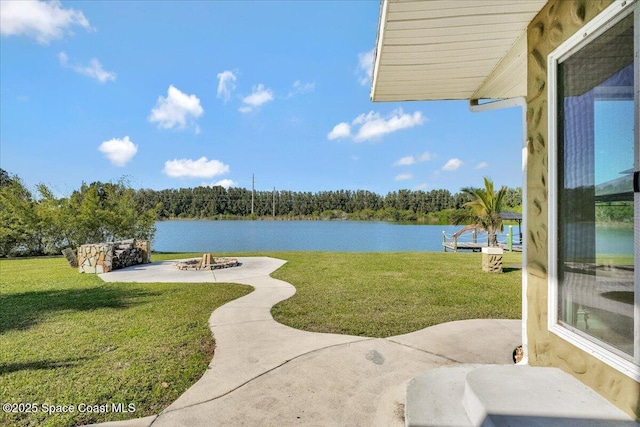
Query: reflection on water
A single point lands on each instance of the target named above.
(580, 240)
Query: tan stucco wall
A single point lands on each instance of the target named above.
(557, 21)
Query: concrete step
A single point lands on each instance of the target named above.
(435, 398)
(506, 395)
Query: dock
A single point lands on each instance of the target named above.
(474, 247)
(467, 239)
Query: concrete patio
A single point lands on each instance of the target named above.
(267, 374)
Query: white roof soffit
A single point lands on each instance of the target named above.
(444, 49)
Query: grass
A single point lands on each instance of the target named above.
(68, 338)
(71, 339)
(387, 294)
(613, 259)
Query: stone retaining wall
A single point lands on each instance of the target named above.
(104, 257)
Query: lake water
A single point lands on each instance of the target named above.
(347, 236)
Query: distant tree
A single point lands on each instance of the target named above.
(54, 219)
(5, 179)
(98, 212)
(105, 212)
(216, 202)
(484, 209)
(513, 198)
(18, 217)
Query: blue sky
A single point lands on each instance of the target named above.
(181, 94)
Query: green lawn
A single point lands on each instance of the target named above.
(386, 294)
(70, 339)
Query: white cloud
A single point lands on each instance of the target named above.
(226, 183)
(373, 126)
(409, 160)
(452, 164)
(93, 70)
(299, 88)
(226, 84)
(201, 168)
(118, 151)
(404, 177)
(341, 130)
(365, 67)
(176, 109)
(405, 161)
(422, 186)
(426, 156)
(43, 21)
(258, 97)
(481, 165)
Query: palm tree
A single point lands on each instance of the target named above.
(484, 212)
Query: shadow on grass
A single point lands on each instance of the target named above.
(7, 368)
(509, 268)
(23, 310)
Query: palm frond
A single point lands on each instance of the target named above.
(486, 205)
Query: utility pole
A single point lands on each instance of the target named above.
(253, 190)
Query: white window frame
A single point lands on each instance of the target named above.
(618, 10)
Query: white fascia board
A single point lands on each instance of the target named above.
(378, 52)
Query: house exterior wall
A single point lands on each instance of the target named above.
(555, 23)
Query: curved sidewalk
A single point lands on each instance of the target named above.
(264, 373)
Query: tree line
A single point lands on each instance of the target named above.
(217, 202)
(36, 223)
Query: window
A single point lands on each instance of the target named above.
(593, 210)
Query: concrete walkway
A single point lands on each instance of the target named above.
(267, 374)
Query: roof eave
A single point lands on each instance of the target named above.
(502, 74)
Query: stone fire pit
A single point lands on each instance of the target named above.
(207, 262)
